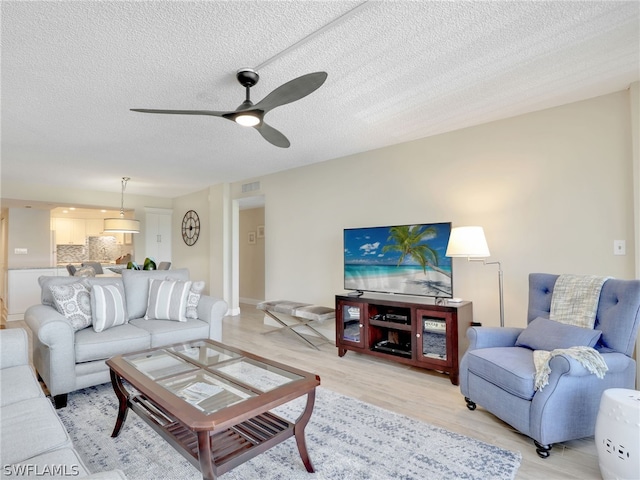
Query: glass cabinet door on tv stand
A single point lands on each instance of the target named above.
(409, 330)
(350, 325)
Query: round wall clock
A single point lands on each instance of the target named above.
(190, 227)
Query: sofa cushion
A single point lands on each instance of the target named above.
(545, 334)
(167, 300)
(30, 428)
(136, 287)
(18, 383)
(108, 307)
(509, 368)
(166, 332)
(91, 345)
(74, 302)
(194, 298)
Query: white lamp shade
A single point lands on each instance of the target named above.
(467, 242)
(121, 225)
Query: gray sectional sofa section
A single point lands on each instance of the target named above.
(34, 441)
(69, 360)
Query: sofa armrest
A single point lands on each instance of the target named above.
(566, 365)
(14, 347)
(488, 337)
(53, 347)
(212, 310)
(574, 393)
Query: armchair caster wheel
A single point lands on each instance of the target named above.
(470, 405)
(543, 451)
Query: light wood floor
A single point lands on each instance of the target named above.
(421, 394)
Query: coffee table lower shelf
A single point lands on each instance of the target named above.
(229, 448)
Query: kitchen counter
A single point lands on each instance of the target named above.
(64, 266)
(37, 268)
(24, 289)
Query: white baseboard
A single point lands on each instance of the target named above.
(250, 301)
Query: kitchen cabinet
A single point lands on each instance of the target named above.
(94, 227)
(158, 234)
(70, 231)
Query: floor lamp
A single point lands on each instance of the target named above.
(471, 243)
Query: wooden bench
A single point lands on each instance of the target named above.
(304, 315)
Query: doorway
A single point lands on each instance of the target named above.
(251, 249)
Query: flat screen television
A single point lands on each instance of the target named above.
(404, 259)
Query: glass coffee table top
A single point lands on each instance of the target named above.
(207, 376)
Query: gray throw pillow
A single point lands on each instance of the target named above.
(74, 302)
(136, 287)
(194, 298)
(108, 307)
(545, 334)
(167, 300)
(47, 281)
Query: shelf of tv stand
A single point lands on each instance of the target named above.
(422, 334)
(391, 325)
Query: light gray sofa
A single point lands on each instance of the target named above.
(69, 360)
(35, 443)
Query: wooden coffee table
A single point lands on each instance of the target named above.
(211, 402)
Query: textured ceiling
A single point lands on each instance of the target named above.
(398, 71)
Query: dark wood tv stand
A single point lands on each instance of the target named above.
(410, 330)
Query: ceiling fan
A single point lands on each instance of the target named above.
(249, 115)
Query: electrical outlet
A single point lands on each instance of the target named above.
(20, 251)
(619, 247)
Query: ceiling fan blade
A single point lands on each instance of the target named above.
(212, 113)
(292, 90)
(272, 135)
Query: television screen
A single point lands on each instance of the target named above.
(406, 259)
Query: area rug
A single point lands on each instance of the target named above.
(346, 439)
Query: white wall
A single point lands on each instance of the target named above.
(552, 190)
(251, 256)
(195, 257)
(30, 229)
(634, 94)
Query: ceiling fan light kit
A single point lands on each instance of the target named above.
(121, 224)
(247, 119)
(250, 115)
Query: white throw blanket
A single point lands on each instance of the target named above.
(575, 299)
(587, 356)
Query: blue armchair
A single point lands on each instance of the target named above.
(499, 376)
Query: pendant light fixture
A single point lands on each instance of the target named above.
(121, 224)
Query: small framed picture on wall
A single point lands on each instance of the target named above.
(252, 238)
(260, 231)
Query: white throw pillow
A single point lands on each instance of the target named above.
(108, 307)
(167, 300)
(74, 302)
(194, 298)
